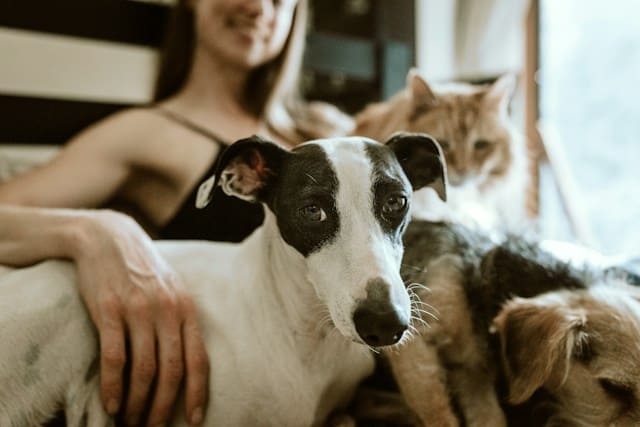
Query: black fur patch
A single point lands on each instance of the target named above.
(306, 178)
(388, 180)
(493, 273)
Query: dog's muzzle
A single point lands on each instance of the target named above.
(377, 321)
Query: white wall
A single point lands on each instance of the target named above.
(470, 39)
(435, 38)
(54, 66)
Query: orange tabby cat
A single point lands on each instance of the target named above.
(486, 159)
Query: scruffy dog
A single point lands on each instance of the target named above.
(579, 352)
(486, 157)
(571, 336)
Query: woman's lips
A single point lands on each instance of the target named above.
(248, 28)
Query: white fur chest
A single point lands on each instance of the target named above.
(266, 370)
(272, 384)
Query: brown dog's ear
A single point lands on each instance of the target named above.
(422, 160)
(538, 338)
(245, 170)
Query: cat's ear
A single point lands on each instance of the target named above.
(500, 92)
(422, 96)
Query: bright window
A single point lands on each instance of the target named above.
(590, 96)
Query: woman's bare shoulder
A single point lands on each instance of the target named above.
(126, 133)
(130, 123)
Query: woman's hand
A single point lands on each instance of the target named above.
(137, 303)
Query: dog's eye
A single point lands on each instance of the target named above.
(481, 144)
(394, 204)
(620, 392)
(313, 213)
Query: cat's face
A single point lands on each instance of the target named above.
(471, 124)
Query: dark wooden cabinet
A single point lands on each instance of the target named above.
(358, 51)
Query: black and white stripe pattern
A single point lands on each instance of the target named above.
(65, 64)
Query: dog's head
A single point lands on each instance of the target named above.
(341, 206)
(582, 347)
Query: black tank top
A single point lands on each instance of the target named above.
(225, 219)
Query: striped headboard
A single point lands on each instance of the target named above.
(67, 63)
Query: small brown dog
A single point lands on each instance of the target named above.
(581, 348)
(568, 334)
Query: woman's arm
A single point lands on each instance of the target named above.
(131, 293)
(86, 173)
(128, 289)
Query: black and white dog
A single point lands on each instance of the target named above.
(288, 316)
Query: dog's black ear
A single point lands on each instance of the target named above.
(245, 170)
(422, 160)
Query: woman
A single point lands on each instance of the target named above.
(237, 77)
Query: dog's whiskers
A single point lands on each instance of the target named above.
(416, 285)
(417, 312)
(418, 306)
(375, 350)
(426, 313)
(421, 303)
(418, 318)
(424, 305)
(413, 330)
(411, 290)
(421, 314)
(410, 333)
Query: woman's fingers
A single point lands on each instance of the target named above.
(136, 298)
(171, 366)
(143, 360)
(197, 366)
(112, 357)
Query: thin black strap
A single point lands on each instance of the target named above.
(183, 121)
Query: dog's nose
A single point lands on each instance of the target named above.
(379, 327)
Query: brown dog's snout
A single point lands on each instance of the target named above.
(377, 321)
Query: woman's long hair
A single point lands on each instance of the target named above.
(272, 91)
(176, 55)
